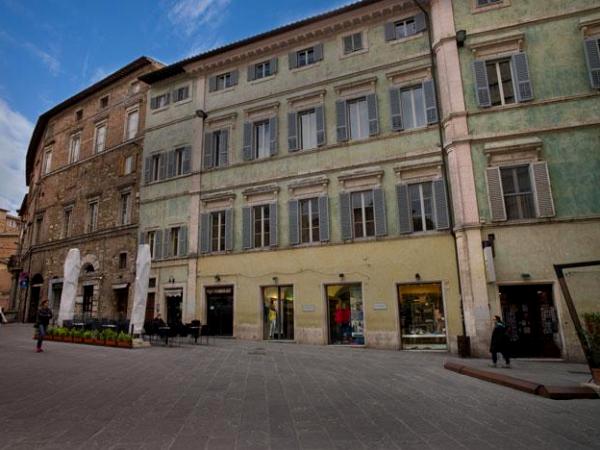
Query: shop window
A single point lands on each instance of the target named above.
(278, 312)
(422, 318)
(346, 317)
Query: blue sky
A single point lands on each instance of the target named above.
(51, 49)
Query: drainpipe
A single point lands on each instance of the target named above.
(446, 174)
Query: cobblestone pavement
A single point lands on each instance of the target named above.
(257, 395)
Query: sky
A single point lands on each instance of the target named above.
(52, 49)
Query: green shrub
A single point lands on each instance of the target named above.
(108, 334)
(124, 337)
(592, 334)
(87, 334)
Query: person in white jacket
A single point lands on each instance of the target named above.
(2, 317)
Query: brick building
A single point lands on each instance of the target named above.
(10, 228)
(82, 173)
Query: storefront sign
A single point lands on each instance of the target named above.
(308, 308)
(380, 306)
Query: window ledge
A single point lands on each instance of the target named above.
(362, 51)
(306, 67)
(158, 110)
(222, 91)
(412, 37)
(182, 102)
(262, 80)
(481, 9)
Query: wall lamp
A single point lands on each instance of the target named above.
(201, 113)
(217, 278)
(171, 280)
(461, 37)
(341, 275)
(526, 276)
(418, 276)
(276, 280)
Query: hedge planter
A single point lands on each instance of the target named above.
(121, 339)
(124, 344)
(596, 375)
(88, 340)
(110, 343)
(77, 339)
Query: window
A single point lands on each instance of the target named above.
(261, 218)
(49, 131)
(125, 208)
(305, 57)
(500, 82)
(67, 215)
(224, 81)
(79, 115)
(346, 315)
(155, 167)
(123, 260)
(181, 94)
(363, 216)
(178, 161)
(92, 216)
(128, 165)
(133, 119)
(262, 139)
(100, 138)
(353, 43)
(218, 149)
(422, 318)
(74, 146)
(217, 220)
(421, 204)
(309, 220)
(413, 107)
(481, 3)
(38, 229)
(359, 118)
(160, 101)
(47, 167)
(151, 282)
(405, 28)
(592, 56)
(104, 102)
(518, 195)
(262, 70)
(151, 240)
(134, 87)
(174, 241)
(308, 129)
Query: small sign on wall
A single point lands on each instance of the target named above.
(380, 306)
(308, 308)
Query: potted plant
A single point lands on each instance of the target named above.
(97, 337)
(124, 340)
(59, 334)
(592, 334)
(68, 337)
(110, 337)
(77, 336)
(88, 337)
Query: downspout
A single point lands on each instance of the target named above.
(444, 159)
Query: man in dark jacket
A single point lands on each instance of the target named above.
(43, 319)
(499, 343)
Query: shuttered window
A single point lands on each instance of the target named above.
(307, 121)
(309, 220)
(422, 206)
(223, 81)
(363, 214)
(217, 231)
(352, 43)
(502, 81)
(404, 28)
(160, 101)
(592, 56)
(518, 194)
(262, 70)
(262, 139)
(261, 226)
(181, 94)
(305, 56)
(358, 118)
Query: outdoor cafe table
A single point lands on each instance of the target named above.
(166, 331)
(195, 332)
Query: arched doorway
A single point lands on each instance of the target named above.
(37, 282)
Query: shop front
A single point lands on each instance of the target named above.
(174, 303)
(422, 317)
(346, 317)
(278, 312)
(219, 310)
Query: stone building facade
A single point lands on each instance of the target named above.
(82, 171)
(10, 229)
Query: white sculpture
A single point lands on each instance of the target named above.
(69, 291)
(142, 275)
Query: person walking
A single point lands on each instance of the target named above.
(43, 319)
(499, 343)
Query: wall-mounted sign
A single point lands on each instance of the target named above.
(380, 306)
(308, 308)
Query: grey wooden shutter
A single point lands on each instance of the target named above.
(212, 84)
(248, 154)
(324, 218)
(405, 223)
(294, 225)
(318, 52)
(342, 121)
(482, 87)
(204, 233)
(440, 198)
(379, 210)
(592, 57)
(348, 44)
(523, 80)
(224, 148)
(292, 131)
(396, 110)
(162, 166)
(208, 151)
(166, 252)
(430, 103)
(544, 204)
(373, 114)
(167, 98)
(158, 244)
(390, 31)
(153, 103)
(273, 66)
(293, 60)
(320, 119)
(183, 241)
(228, 229)
(171, 156)
(141, 238)
(247, 231)
(235, 75)
(251, 72)
(357, 41)
(187, 159)
(274, 135)
(273, 224)
(345, 216)
(495, 194)
(148, 170)
(420, 23)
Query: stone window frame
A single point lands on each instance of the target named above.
(100, 101)
(67, 228)
(263, 113)
(72, 136)
(258, 196)
(100, 123)
(401, 18)
(222, 122)
(122, 192)
(88, 225)
(365, 42)
(476, 9)
(128, 112)
(187, 84)
(306, 189)
(305, 102)
(355, 90)
(214, 203)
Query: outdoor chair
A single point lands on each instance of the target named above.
(205, 332)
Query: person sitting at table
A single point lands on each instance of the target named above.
(158, 321)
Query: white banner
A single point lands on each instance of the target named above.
(69, 291)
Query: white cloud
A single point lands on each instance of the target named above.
(188, 15)
(15, 132)
(48, 59)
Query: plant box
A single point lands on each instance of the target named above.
(110, 343)
(67, 339)
(77, 340)
(596, 375)
(89, 341)
(48, 337)
(98, 341)
(124, 344)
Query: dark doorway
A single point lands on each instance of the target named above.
(55, 304)
(122, 300)
(34, 300)
(219, 306)
(88, 301)
(150, 306)
(174, 309)
(529, 312)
